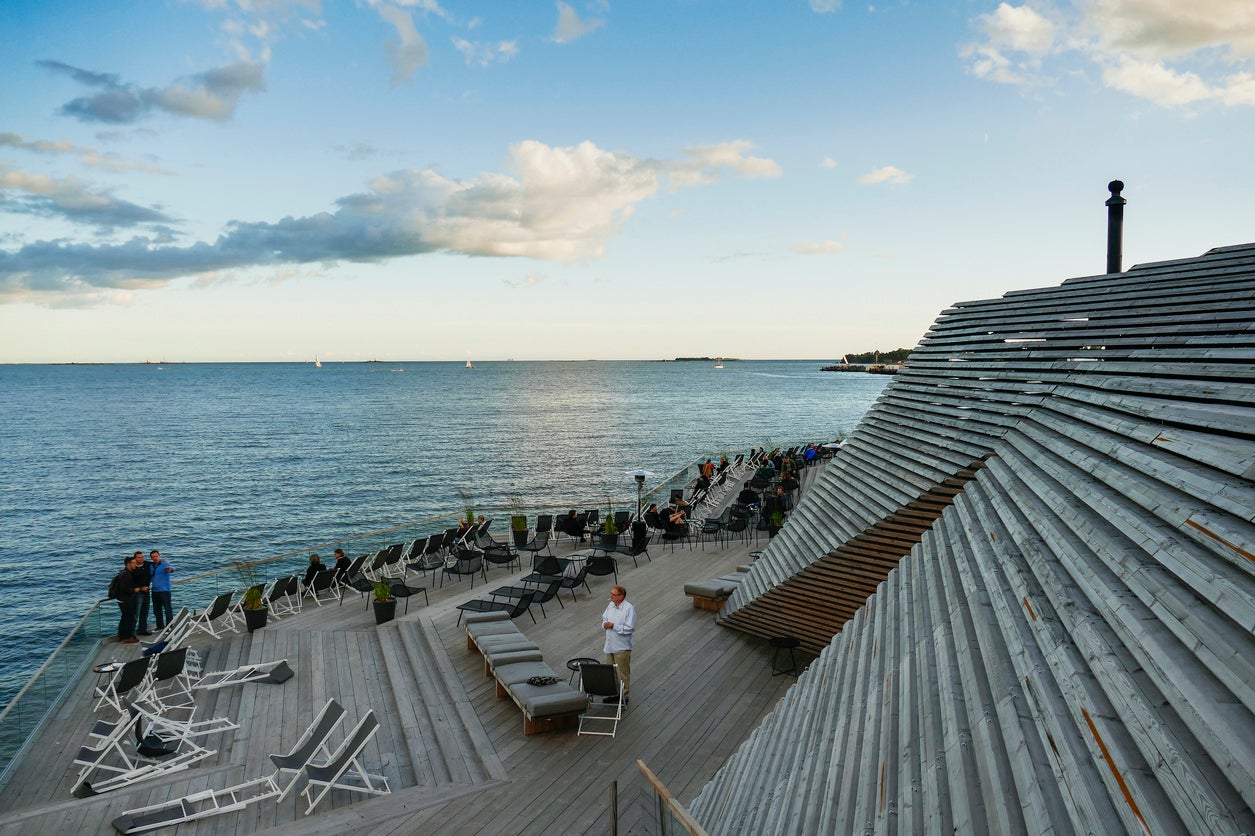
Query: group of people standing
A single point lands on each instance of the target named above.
(141, 585)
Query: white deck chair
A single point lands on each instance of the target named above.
(601, 681)
(175, 625)
(285, 596)
(343, 770)
(118, 763)
(155, 721)
(213, 802)
(219, 610)
(129, 677)
(273, 673)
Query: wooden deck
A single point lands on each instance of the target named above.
(455, 755)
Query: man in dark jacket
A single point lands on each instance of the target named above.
(143, 575)
(123, 589)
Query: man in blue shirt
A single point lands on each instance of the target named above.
(619, 622)
(161, 571)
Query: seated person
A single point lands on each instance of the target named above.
(723, 463)
(675, 517)
(342, 566)
(652, 518)
(747, 496)
(315, 566)
(702, 483)
(789, 482)
(573, 525)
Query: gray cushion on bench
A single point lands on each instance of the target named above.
(547, 700)
(713, 588)
(481, 617)
(492, 628)
(509, 657)
(521, 672)
(496, 644)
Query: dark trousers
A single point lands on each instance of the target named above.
(126, 623)
(163, 611)
(142, 617)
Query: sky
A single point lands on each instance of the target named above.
(275, 180)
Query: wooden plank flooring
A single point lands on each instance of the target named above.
(456, 756)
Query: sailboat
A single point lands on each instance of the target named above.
(317, 362)
(468, 364)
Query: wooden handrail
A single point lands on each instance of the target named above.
(676, 809)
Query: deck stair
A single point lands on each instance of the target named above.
(1070, 647)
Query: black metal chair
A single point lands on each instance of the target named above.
(539, 543)
(547, 592)
(402, 590)
(544, 523)
(467, 563)
(639, 546)
(515, 608)
(602, 565)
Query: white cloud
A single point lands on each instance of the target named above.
(887, 174)
(549, 203)
(708, 163)
(529, 280)
(87, 156)
(1172, 53)
(817, 247)
(825, 6)
(1156, 82)
(827, 162)
(571, 26)
(408, 51)
(26, 193)
(486, 54)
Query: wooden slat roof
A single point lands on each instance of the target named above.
(1068, 645)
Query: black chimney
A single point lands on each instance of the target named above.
(1115, 227)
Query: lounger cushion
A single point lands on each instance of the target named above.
(482, 617)
(517, 672)
(509, 657)
(491, 644)
(547, 700)
(713, 588)
(492, 628)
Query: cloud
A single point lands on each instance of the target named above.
(571, 26)
(817, 247)
(1171, 53)
(557, 204)
(529, 280)
(708, 163)
(214, 94)
(1156, 82)
(562, 204)
(89, 157)
(825, 6)
(407, 51)
(25, 193)
(486, 54)
(887, 174)
(827, 162)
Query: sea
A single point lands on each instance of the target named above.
(221, 462)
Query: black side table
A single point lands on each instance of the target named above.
(778, 645)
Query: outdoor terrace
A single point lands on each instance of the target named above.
(455, 755)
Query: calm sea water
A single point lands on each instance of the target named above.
(215, 462)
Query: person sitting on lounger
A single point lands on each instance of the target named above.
(342, 566)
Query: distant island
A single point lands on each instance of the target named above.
(702, 360)
(874, 362)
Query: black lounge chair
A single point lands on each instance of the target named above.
(638, 547)
(539, 543)
(469, 564)
(602, 565)
(515, 608)
(401, 590)
(550, 590)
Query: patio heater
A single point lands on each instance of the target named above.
(639, 476)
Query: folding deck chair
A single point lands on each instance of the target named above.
(601, 681)
(213, 802)
(121, 765)
(343, 770)
(272, 673)
(219, 608)
(130, 676)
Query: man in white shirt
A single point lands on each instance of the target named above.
(619, 622)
